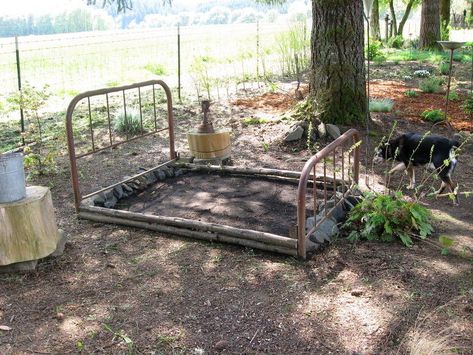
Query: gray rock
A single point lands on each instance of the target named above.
(179, 172)
(118, 192)
(150, 178)
(321, 130)
(127, 189)
(169, 171)
(324, 232)
(333, 131)
(110, 199)
(294, 134)
(160, 174)
(99, 200)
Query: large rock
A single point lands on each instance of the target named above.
(333, 131)
(294, 134)
(321, 130)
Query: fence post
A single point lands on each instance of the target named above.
(179, 62)
(257, 51)
(18, 72)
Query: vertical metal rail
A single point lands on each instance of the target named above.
(87, 95)
(18, 73)
(350, 137)
(179, 62)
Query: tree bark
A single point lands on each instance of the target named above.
(430, 24)
(374, 21)
(393, 18)
(406, 16)
(444, 19)
(445, 12)
(337, 68)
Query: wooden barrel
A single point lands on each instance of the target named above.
(210, 145)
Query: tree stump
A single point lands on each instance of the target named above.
(28, 229)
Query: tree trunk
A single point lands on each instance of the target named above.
(405, 17)
(337, 68)
(393, 18)
(374, 21)
(430, 25)
(445, 13)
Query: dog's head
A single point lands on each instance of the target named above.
(385, 151)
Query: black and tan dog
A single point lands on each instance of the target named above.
(413, 149)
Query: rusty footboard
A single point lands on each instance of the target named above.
(334, 172)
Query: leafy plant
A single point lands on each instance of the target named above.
(40, 156)
(129, 124)
(435, 115)
(396, 42)
(373, 50)
(388, 218)
(444, 68)
(156, 69)
(410, 93)
(199, 71)
(431, 85)
(381, 105)
(468, 104)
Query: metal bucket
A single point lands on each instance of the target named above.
(12, 177)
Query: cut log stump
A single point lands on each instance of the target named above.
(28, 229)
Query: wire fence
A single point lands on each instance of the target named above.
(208, 55)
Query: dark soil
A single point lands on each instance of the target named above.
(120, 290)
(242, 202)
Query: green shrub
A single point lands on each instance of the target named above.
(468, 104)
(381, 105)
(444, 68)
(410, 93)
(379, 60)
(156, 69)
(396, 42)
(373, 50)
(431, 85)
(129, 124)
(388, 218)
(452, 96)
(432, 115)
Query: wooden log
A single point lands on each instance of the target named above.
(261, 237)
(209, 236)
(28, 229)
(285, 175)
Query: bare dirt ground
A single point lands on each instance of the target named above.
(121, 290)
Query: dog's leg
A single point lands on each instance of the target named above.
(447, 182)
(398, 167)
(412, 177)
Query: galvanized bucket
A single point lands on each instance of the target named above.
(12, 177)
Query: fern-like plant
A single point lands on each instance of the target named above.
(388, 218)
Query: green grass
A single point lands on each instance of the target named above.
(381, 105)
(255, 120)
(433, 57)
